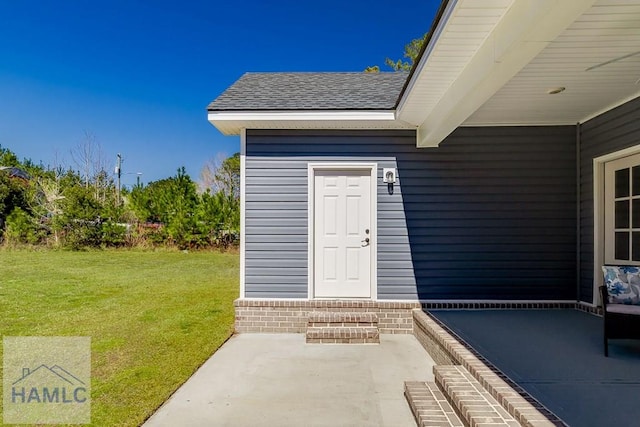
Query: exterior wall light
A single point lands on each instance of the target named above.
(389, 175)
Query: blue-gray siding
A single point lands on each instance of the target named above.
(612, 131)
(490, 214)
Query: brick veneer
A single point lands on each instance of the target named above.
(472, 401)
(519, 404)
(431, 342)
(429, 405)
(291, 316)
(343, 335)
(509, 305)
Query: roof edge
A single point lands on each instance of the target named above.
(310, 110)
(232, 122)
(414, 69)
(292, 115)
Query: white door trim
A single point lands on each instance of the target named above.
(338, 166)
(243, 211)
(598, 213)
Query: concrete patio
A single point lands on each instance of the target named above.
(278, 379)
(552, 355)
(557, 356)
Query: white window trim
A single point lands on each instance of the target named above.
(598, 213)
(338, 166)
(243, 236)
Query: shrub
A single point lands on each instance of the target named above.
(114, 234)
(81, 234)
(21, 228)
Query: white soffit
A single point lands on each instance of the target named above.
(477, 48)
(232, 122)
(608, 31)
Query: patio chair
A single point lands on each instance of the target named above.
(621, 321)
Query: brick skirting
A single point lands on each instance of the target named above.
(509, 305)
(291, 316)
(502, 305)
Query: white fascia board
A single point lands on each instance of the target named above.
(526, 29)
(446, 15)
(241, 116)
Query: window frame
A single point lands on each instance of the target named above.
(610, 201)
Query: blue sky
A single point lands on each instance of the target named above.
(138, 75)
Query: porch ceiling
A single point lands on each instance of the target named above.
(495, 64)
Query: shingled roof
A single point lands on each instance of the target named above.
(311, 91)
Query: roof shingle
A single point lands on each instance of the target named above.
(311, 91)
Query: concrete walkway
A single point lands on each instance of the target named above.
(279, 380)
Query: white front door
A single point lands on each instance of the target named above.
(342, 234)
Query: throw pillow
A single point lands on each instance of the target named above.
(623, 284)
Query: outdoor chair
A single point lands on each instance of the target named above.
(621, 321)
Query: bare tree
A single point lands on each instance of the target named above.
(44, 196)
(50, 196)
(207, 179)
(93, 164)
(221, 174)
(59, 163)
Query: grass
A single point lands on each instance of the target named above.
(153, 317)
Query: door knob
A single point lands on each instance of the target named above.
(366, 242)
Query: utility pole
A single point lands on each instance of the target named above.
(118, 173)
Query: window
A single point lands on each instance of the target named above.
(622, 210)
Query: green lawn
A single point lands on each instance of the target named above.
(153, 317)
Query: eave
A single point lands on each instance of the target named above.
(232, 122)
(493, 63)
(489, 63)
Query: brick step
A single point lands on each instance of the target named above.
(472, 401)
(343, 335)
(429, 405)
(342, 318)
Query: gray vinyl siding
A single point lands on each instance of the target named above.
(490, 214)
(612, 131)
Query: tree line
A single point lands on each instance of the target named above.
(84, 208)
(411, 52)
